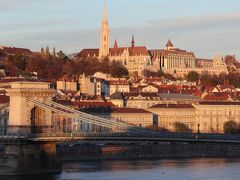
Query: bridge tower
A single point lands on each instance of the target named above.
(24, 116)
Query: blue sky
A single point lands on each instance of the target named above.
(206, 27)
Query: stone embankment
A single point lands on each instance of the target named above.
(86, 152)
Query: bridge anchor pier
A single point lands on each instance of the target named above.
(37, 158)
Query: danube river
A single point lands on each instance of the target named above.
(183, 169)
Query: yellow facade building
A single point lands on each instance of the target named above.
(169, 114)
(211, 116)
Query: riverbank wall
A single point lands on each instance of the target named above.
(146, 151)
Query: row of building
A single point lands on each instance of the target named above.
(204, 117)
(145, 109)
(121, 90)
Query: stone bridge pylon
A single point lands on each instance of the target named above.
(24, 116)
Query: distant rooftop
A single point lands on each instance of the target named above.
(173, 106)
(219, 103)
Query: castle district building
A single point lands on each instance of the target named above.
(173, 58)
(217, 67)
(136, 59)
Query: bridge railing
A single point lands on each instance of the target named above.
(125, 136)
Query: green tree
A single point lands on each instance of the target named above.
(214, 80)
(118, 70)
(181, 128)
(47, 54)
(20, 62)
(156, 128)
(54, 54)
(230, 127)
(42, 53)
(230, 60)
(61, 55)
(160, 73)
(193, 76)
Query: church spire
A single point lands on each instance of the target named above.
(115, 43)
(105, 13)
(133, 42)
(105, 35)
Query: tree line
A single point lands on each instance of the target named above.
(50, 67)
(232, 78)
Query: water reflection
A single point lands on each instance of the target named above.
(182, 169)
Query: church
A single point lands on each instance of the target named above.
(134, 58)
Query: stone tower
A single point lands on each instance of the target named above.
(105, 35)
(24, 115)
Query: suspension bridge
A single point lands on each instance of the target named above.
(33, 124)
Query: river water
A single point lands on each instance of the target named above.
(182, 169)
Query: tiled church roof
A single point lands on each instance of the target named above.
(133, 51)
(88, 53)
(138, 50)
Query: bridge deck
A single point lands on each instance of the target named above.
(122, 137)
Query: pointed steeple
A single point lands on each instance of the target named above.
(133, 42)
(169, 45)
(105, 13)
(105, 35)
(115, 43)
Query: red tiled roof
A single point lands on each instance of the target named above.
(10, 80)
(219, 103)
(14, 50)
(117, 82)
(173, 106)
(143, 94)
(67, 78)
(164, 52)
(131, 110)
(138, 50)
(216, 98)
(133, 51)
(88, 53)
(117, 51)
(93, 104)
(85, 103)
(222, 87)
